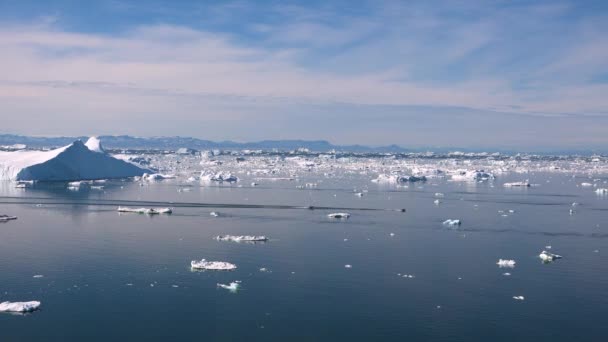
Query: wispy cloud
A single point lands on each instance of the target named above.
(534, 60)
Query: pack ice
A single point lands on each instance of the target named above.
(73, 162)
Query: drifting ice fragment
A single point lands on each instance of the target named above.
(548, 257)
(348, 266)
(242, 238)
(339, 215)
(515, 184)
(506, 263)
(214, 214)
(212, 265)
(518, 297)
(601, 191)
(450, 222)
(232, 287)
(149, 211)
(19, 306)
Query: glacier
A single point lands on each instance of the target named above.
(76, 161)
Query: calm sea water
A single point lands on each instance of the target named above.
(89, 254)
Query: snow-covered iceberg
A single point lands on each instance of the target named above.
(452, 222)
(19, 306)
(149, 211)
(548, 257)
(506, 263)
(212, 265)
(242, 238)
(76, 161)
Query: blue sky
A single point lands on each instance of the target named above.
(508, 74)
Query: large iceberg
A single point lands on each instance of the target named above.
(76, 161)
(19, 307)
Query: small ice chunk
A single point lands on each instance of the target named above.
(212, 265)
(242, 238)
(38, 276)
(264, 269)
(548, 257)
(436, 202)
(339, 215)
(506, 263)
(232, 287)
(601, 191)
(348, 266)
(452, 222)
(517, 184)
(506, 274)
(214, 214)
(518, 297)
(19, 306)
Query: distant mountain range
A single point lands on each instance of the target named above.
(174, 143)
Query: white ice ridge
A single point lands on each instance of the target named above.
(339, 215)
(94, 144)
(548, 257)
(451, 222)
(506, 263)
(73, 162)
(212, 265)
(4, 218)
(149, 211)
(232, 287)
(19, 306)
(242, 238)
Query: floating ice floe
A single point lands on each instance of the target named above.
(601, 191)
(348, 266)
(451, 222)
(339, 215)
(72, 162)
(232, 287)
(214, 214)
(219, 177)
(586, 185)
(436, 202)
(242, 238)
(517, 184)
(518, 297)
(5, 218)
(19, 306)
(399, 179)
(505, 263)
(548, 257)
(149, 211)
(156, 177)
(212, 265)
(476, 175)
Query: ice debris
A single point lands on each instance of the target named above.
(518, 297)
(232, 287)
(517, 184)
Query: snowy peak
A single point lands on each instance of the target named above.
(94, 144)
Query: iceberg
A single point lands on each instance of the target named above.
(399, 179)
(517, 184)
(339, 215)
(451, 222)
(242, 238)
(73, 162)
(149, 211)
(212, 265)
(518, 297)
(5, 218)
(505, 263)
(548, 257)
(232, 287)
(156, 176)
(19, 306)
(601, 191)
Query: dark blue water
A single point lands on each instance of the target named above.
(88, 253)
